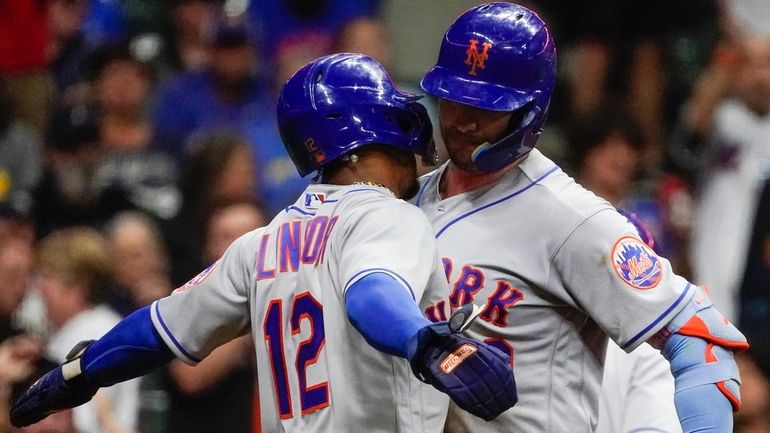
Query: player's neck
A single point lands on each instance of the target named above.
(368, 172)
(457, 181)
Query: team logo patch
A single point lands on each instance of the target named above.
(202, 276)
(636, 263)
(457, 357)
(475, 58)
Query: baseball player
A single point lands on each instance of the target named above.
(329, 289)
(557, 268)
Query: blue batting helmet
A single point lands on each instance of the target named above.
(341, 102)
(499, 57)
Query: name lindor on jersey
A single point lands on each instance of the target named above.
(301, 241)
(464, 289)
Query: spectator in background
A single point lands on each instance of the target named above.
(607, 149)
(20, 158)
(365, 35)
(20, 352)
(187, 46)
(69, 51)
(174, 35)
(66, 195)
(299, 23)
(131, 174)
(645, 54)
(16, 262)
(216, 394)
(73, 268)
(228, 222)
(220, 170)
(23, 60)
(139, 262)
(225, 94)
(140, 270)
(724, 141)
(99, 156)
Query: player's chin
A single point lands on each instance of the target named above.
(461, 158)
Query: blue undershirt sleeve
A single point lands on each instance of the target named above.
(384, 313)
(701, 406)
(131, 349)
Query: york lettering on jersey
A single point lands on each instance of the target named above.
(296, 242)
(467, 285)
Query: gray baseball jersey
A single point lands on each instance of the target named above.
(286, 283)
(558, 269)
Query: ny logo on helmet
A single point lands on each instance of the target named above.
(476, 59)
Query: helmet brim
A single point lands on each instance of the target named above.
(446, 84)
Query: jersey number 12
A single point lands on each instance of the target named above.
(304, 307)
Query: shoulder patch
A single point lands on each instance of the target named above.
(200, 277)
(636, 263)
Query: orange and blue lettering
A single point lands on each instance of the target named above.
(306, 307)
(471, 281)
(436, 313)
(262, 273)
(326, 237)
(290, 236)
(314, 235)
(447, 262)
(496, 309)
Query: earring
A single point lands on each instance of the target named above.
(353, 159)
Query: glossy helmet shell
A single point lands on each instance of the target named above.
(498, 57)
(341, 102)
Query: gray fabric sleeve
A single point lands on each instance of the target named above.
(392, 237)
(617, 280)
(212, 308)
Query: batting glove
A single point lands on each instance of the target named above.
(61, 388)
(478, 377)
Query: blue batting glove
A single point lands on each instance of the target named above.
(61, 388)
(478, 377)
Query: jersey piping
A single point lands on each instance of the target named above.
(169, 338)
(494, 203)
(681, 297)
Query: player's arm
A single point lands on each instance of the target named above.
(699, 344)
(476, 376)
(386, 257)
(131, 349)
(143, 341)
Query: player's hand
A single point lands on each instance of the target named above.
(61, 388)
(478, 377)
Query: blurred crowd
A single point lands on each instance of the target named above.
(138, 139)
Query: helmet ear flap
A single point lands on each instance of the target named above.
(524, 128)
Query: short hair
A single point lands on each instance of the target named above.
(77, 254)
